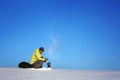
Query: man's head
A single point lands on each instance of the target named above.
(41, 49)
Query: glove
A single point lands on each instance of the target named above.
(46, 59)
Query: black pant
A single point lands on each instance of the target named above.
(38, 64)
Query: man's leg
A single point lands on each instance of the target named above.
(37, 64)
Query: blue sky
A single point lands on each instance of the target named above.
(76, 34)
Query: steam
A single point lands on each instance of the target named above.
(52, 41)
(52, 48)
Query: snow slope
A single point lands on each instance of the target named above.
(55, 74)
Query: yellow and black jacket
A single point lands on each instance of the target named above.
(36, 56)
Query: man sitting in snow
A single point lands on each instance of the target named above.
(37, 60)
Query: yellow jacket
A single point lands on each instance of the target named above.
(36, 56)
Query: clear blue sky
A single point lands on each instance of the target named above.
(76, 34)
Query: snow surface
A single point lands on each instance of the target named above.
(56, 74)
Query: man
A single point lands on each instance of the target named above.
(37, 60)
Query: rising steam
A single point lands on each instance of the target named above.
(52, 46)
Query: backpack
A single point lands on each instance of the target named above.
(24, 65)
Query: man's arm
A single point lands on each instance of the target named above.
(39, 56)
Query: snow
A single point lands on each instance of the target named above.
(41, 69)
(56, 74)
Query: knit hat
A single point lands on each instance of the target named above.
(41, 49)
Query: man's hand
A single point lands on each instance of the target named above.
(46, 59)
